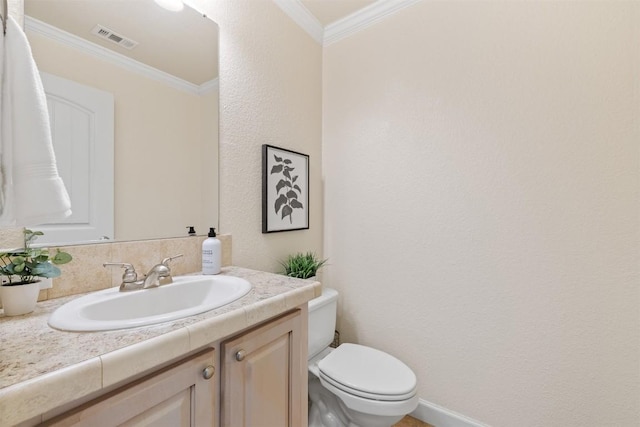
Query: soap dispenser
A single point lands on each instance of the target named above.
(211, 253)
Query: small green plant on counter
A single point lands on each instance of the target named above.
(29, 263)
(302, 265)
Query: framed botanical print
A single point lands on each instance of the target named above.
(285, 190)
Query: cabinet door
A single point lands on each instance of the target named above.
(179, 396)
(264, 381)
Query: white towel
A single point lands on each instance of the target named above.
(33, 191)
(2, 180)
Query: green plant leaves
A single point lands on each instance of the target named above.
(276, 169)
(18, 260)
(302, 265)
(30, 236)
(61, 257)
(46, 269)
(28, 262)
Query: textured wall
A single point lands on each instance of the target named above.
(270, 93)
(481, 167)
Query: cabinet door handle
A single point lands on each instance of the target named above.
(208, 372)
(240, 355)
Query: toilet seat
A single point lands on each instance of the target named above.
(367, 373)
(373, 407)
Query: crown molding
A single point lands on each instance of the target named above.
(120, 60)
(301, 16)
(208, 87)
(344, 27)
(363, 18)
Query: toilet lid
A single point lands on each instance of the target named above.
(367, 372)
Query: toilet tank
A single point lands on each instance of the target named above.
(322, 320)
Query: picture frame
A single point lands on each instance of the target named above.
(285, 190)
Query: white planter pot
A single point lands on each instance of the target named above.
(19, 299)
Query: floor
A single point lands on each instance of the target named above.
(411, 422)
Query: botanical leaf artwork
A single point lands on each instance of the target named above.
(287, 190)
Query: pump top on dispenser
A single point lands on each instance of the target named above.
(211, 253)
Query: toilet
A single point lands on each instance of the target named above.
(353, 385)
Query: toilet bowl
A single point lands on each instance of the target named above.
(353, 385)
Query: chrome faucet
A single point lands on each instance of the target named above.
(129, 277)
(160, 274)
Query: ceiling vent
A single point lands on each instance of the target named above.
(107, 34)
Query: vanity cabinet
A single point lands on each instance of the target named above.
(264, 375)
(180, 395)
(261, 382)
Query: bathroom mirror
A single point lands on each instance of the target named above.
(165, 106)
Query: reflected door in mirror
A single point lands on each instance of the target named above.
(82, 129)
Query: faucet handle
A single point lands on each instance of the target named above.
(166, 260)
(129, 275)
(161, 272)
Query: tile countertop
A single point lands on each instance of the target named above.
(40, 366)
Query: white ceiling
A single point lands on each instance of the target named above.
(183, 44)
(329, 11)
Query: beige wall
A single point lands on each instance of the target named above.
(482, 174)
(165, 145)
(270, 93)
(209, 160)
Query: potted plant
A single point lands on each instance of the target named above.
(23, 268)
(302, 266)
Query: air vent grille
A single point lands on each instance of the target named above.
(107, 34)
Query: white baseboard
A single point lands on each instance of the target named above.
(438, 416)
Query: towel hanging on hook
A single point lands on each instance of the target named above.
(33, 191)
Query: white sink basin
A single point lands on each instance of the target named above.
(112, 309)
